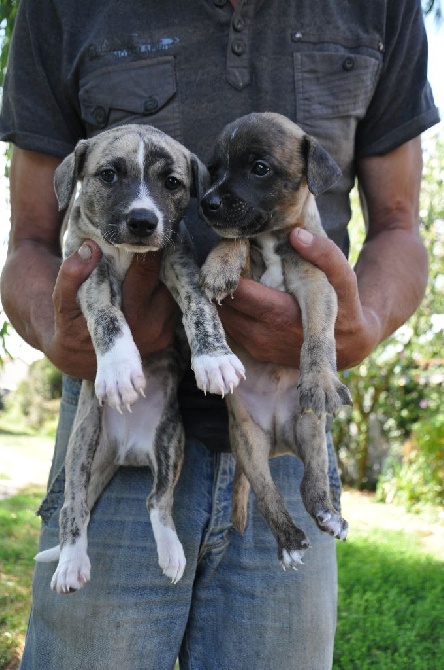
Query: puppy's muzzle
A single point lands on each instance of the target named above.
(230, 215)
(142, 222)
(211, 203)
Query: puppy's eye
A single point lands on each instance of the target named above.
(260, 168)
(109, 176)
(172, 183)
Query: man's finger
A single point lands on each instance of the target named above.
(327, 256)
(260, 302)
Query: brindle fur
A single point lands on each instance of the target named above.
(265, 173)
(135, 185)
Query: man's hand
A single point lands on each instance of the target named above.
(357, 328)
(70, 347)
(149, 308)
(267, 322)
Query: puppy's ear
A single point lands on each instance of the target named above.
(67, 173)
(200, 178)
(321, 170)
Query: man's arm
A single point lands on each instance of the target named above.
(377, 297)
(39, 292)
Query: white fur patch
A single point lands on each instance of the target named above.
(217, 374)
(120, 378)
(273, 276)
(73, 570)
(134, 433)
(48, 555)
(169, 548)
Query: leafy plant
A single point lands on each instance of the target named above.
(400, 383)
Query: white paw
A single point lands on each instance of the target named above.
(217, 374)
(73, 570)
(291, 559)
(120, 379)
(169, 548)
(172, 559)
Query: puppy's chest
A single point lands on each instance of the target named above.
(266, 261)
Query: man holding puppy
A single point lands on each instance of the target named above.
(353, 75)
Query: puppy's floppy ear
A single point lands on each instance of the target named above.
(200, 178)
(67, 173)
(321, 170)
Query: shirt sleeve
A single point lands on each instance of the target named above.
(402, 106)
(38, 109)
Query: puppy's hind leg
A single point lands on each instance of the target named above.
(166, 467)
(251, 447)
(73, 569)
(315, 490)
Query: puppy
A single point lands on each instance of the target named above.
(135, 185)
(265, 173)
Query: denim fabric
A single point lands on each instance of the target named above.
(235, 608)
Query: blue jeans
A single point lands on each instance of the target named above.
(235, 608)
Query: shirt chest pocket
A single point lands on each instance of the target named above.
(333, 92)
(139, 92)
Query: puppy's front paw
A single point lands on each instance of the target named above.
(73, 570)
(218, 281)
(218, 374)
(120, 379)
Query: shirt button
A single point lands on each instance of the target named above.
(348, 63)
(296, 37)
(150, 105)
(100, 115)
(238, 47)
(238, 24)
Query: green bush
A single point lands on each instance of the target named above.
(35, 401)
(417, 478)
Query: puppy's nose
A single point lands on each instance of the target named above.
(212, 202)
(142, 222)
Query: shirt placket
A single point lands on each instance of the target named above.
(239, 49)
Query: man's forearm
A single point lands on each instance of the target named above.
(27, 283)
(392, 274)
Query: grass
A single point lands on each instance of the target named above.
(391, 594)
(25, 457)
(19, 528)
(391, 604)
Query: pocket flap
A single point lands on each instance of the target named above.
(141, 88)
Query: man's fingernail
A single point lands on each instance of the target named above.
(85, 252)
(304, 236)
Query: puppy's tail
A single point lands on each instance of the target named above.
(241, 489)
(49, 555)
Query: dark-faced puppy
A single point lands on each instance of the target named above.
(134, 184)
(265, 173)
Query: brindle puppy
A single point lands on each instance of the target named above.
(265, 173)
(135, 185)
